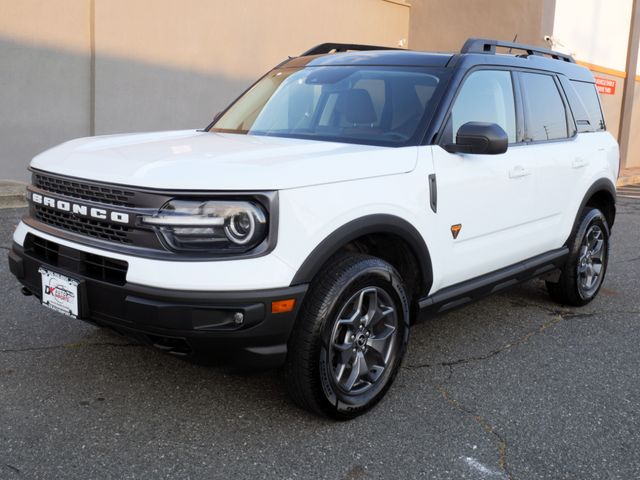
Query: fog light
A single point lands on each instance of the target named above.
(238, 318)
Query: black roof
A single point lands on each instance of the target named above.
(474, 52)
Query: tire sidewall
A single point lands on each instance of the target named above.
(370, 272)
(590, 217)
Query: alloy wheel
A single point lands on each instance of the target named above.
(591, 261)
(362, 340)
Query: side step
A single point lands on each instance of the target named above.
(479, 287)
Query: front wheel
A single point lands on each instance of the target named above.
(584, 272)
(350, 338)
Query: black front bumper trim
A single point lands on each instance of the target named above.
(202, 325)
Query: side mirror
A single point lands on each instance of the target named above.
(480, 138)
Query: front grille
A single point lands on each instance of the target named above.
(75, 261)
(83, 226)
(84, 190)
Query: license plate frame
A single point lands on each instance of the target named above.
(60, 292)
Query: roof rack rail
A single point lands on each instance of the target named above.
(483, 45)
(342, 47)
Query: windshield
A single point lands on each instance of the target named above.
(370, 105)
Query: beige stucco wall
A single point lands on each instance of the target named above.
(445, 25)
(158, 65)
(44, 78)
(176, 64)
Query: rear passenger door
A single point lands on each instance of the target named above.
(553, 155)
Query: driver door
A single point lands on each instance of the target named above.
(488, 199)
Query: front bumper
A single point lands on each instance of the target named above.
(196, 324)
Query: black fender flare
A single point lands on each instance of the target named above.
(370, 224)
(603, 184)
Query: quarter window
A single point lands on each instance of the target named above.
(589, 96)
(544, 112)
(485, 96)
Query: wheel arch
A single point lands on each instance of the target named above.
(369, 227)
(602, 195)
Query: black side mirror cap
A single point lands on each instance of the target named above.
(481, 138)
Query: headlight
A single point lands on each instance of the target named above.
(216, 226)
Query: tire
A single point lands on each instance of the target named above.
(349, 339)
(583, 274)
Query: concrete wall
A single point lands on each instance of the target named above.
(633, 160)
(599, 41)
(71, 68)
(44, 78)
(445, 25)
(601, 35)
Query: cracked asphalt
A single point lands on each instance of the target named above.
(512, 387)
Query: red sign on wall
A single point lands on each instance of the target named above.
(606, 86)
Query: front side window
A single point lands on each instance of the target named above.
(545, 117)
(485, 96)
(370, 105)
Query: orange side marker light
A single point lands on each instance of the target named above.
(283, 306)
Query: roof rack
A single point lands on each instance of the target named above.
(342, 47)
(483, 45)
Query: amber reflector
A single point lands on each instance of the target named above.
(282, 306)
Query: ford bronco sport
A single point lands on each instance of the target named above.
(347, 194)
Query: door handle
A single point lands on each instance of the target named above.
(518, 171)
(579, 162)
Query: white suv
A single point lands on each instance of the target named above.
(348, 193)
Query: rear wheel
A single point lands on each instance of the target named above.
(584, 272)
(350, 338)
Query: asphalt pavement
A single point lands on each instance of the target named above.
(512, 387)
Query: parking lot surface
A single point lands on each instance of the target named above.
(513, 387)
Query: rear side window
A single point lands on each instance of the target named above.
(485, 96)
(544, 112)
(591, 103)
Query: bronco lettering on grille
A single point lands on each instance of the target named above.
(78, 209)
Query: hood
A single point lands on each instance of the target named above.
(195, 160)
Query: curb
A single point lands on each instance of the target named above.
(628, 180)
(12, 194)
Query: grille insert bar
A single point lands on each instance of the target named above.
(84, 190)
(83, 226)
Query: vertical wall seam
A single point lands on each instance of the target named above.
(92, 68)
(548, 17)
(624, 131)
